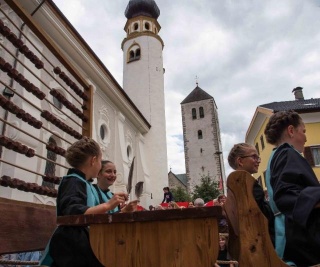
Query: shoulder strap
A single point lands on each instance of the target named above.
(105, 197)
(92, 195)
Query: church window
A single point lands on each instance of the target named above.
(147, 26)
(194, 113)
(56, 101)
(129, 152)
(136, 26)
(137, 55)
(200, 134)
(131, 55)
(201, 112)
(134, 53)
(50, 168)
(103, 132)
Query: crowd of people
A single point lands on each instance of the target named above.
(292, 208)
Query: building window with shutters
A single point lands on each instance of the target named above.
(257, 148)
(312, 155)
(194, 113)
(201, 112)
(316, 155)
(262, 142)
(200, 134)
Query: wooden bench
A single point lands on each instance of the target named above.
(25, 226)
(249, 240)
(162, 238)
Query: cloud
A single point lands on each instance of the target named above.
(245, 54)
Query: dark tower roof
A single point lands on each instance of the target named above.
(147, 8)
(196, 95)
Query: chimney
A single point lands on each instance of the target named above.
(298, 93)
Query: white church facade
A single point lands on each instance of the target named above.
(127, 122)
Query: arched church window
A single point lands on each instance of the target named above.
(131, 55)
(136, 26)
(50, 169)
(201, 112)
(194, 113)
(134, 53)
(200, 134)
(147, 26)
(137, 53)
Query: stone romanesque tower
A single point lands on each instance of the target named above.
(201, 135)
(143, 81)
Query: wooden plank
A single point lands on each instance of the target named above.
(25, 226)
(141, 216)
(178, 243)
(249, 239)
(162, 238)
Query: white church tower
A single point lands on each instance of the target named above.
(201, 135)
(143, 81)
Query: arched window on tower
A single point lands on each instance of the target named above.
(201, 112)
(136, 26)
(134, 53)
(200, 134)
(131, 55)
(194, 113)
(137, 55)
(147, 26)
(50, 169)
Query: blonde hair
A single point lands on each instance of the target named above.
(237, 151)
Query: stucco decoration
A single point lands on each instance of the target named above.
(103, 130)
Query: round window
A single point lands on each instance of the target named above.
(129, 152)
(103, 132)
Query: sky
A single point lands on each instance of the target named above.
(245, 53)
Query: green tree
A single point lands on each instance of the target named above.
(180, 194)
(207, 189)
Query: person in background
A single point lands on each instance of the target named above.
(167, 195)
(223, 223)
(294, 191)
(70, 246)
(190, 205)
(222, 199)
(106, 178)
(173, 205)
(199, 202)
(244, 157)
(223, 252)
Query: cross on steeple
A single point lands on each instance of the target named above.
(197, 78)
